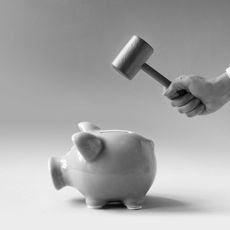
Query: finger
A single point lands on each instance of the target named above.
(180, 101)
(197, 111)
(189, 106)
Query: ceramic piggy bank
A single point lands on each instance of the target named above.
(106, 166)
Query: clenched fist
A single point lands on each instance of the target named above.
(203, 96)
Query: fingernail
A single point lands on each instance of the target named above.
(165, 93)
(174, 96)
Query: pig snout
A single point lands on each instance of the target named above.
(57, 173)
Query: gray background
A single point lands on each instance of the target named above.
(56, 71)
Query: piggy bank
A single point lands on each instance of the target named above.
(106, 166)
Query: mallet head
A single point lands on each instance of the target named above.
(133, 55)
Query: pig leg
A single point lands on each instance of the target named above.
(134, 203)
(94, 203)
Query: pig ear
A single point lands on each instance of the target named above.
(88, 144)
(87, 126)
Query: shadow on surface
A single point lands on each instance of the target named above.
(156, 204)
(165, 204)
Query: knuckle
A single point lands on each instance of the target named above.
(181, 77)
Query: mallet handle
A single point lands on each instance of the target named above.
(156, 75)
(160, 78)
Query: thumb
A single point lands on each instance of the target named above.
(178, 84)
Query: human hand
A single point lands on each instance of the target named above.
(204, 96)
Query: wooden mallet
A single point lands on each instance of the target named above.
(133, 57)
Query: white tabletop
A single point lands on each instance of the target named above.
(191, 191)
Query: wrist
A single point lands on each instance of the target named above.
(222, 85)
